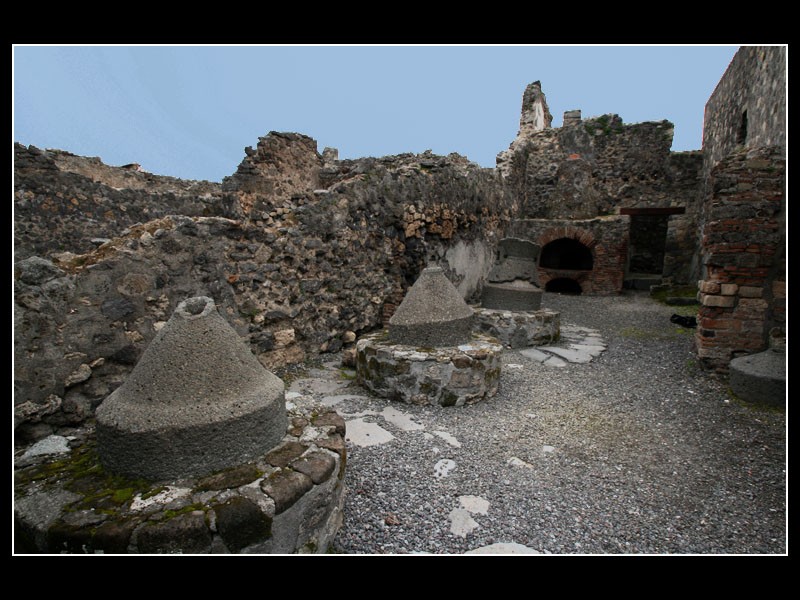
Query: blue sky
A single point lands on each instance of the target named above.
(189, 111)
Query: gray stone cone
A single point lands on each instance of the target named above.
(197, 401)
(433, 313)
(760, 378)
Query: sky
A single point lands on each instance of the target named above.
(189, 111)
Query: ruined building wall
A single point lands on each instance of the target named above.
(606, 238)
(743, 227)
(320, 251)
(598, 166)
(68, 203)
(748, 106)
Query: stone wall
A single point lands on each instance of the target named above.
(743, 292)
(751, 93)
(742, 226)
(605, 237)
(598, 166)
(301, 269)
(64, 202)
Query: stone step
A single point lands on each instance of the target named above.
(641, 281)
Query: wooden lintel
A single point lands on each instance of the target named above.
(667, 210)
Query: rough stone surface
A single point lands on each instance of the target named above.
(432, 313)
(53, 444)
(754, 83)
(183, 534)
(518, 329)
(447, 375)
(760, 378)
(516, 259)
(517, 296)
(251, 248)
(285, 453)
(241, 523)
(35, 513)
(198, 401)
(317, 465)
(286, 487)
(227, 512)
(742, 241)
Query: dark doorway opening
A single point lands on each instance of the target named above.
(648, 238)
(566, 253)
(563, 285)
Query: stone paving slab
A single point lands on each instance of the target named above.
(578, 345)
(568, 354)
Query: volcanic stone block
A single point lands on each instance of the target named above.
(241, 523)
(512, 281)
(432, 313)
(331, 419)
(186, 534)
(520, 329)
(447, 376)
(760, 378)
(197, 402)
(282, 456)
(516, 260)
(518, 295)
(286, 487)
(317, 465)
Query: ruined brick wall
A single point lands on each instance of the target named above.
(594, 167)
(743, 292)
(605, 237)
(742, 227)
(751, 93)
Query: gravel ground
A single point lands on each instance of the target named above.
(636, 452)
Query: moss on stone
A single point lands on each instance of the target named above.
(82, 473)
(171, 514)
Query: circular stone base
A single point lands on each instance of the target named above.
(447, 375)
(288, 500)
(760, 378)
(520, 329)
(518, 295)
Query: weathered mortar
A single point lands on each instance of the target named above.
(743, 293)
(64, 202)
(297, 278)
(742, 232)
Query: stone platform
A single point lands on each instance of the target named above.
(444, 375)
(517, 295)
(288, 500)
(760, 378)
(520, 329)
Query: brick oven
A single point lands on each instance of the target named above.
(586, 256)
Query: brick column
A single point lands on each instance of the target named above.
(743, 247)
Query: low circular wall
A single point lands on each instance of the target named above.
(520, 329)
(289, 500)
(446, 375)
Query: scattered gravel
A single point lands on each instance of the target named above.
(638, 451)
